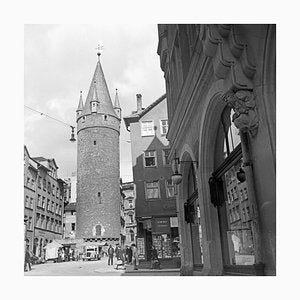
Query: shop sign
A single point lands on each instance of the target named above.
(174, 222)
(162, 225)
(141, 247)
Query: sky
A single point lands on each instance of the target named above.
(59, 62)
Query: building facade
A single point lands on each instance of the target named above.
(44, 202)
(155, 205)
(220, 83)
(129, 212)
(98, 166)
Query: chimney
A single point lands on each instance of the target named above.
(139, 102)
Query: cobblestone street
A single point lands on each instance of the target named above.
(92, 268)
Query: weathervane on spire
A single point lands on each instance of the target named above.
(99, 48)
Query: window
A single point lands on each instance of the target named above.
(59, 212)
(39, 181)
(28, 182)
(32, 183)
(94, 107)
(48, 204)
(229, 198)
(73, 226)
(52, 206)
(30, 223)
(26, 201)
(56, 209)
(31, 203)
(245, 193)
(152, 190)
(149, 158)
(170, 188)
(131, 235)
(98, 230)
(131, 218)
(95, 142)
(164, 127)
(39, 201)
(43, 202)
(53, 190)
(44, 184)
(83, 119)
(166, 153)
(49, 187)
(99, 198)
(147, 128)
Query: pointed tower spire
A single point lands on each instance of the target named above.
(117, 106)
(99, 89)
(80, 105)
(117, 103)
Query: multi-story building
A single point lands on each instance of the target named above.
(44, 202)
(129, 212)
(98, 164)
(30, 178)
(221, 89)
(69, 222)
(155, 205)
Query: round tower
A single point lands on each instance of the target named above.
(98, 165)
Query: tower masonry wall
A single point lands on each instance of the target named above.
(98, 120)
(98, 185)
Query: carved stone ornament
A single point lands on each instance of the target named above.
(244, 106)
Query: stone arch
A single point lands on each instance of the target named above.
(209, 126)
(186, 154)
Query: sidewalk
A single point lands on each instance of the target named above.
(151, 272)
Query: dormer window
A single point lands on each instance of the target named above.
(94, 107)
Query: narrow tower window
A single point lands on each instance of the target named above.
(94, 142)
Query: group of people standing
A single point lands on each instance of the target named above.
(128, 255)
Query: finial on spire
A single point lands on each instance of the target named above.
(99, 48)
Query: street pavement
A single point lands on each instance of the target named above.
(92, 268)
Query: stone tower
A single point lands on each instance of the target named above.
(98, 165)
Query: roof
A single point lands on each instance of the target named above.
(135, 116)
(101, 90)
(71, 207)
(41, 159)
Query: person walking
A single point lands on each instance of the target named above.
(110, 255)
(135, 256)
(118, 251)
(154, 258)
(130, 256)
(27, 259)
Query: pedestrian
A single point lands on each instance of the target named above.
(127, 255)
(135, 256)
(110, 255)
(155, 264)
(130, 256)
(121, 259)
(118, 251)
(27, 259)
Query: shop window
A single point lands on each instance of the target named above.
(152, 190)
(150, 158)
(147, 128)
